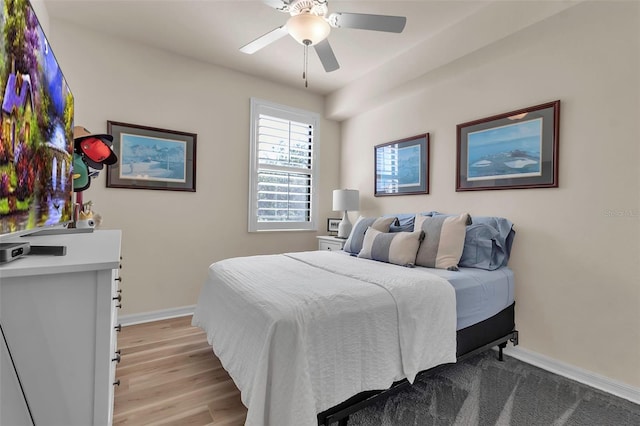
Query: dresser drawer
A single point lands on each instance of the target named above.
(330, 243)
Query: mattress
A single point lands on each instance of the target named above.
(480, 294)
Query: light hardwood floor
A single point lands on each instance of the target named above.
(169, 375)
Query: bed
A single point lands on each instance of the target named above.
(311, 337)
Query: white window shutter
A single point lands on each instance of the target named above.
(282, 177)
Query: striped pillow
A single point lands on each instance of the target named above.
(353, 244)
(399, 248)
(443, 240)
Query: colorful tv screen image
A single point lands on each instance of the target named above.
(36, 135)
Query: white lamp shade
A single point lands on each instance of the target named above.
(306, 26)
(346, 199)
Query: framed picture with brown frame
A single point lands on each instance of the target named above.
(402, 166)
(514, 150)
(152, 158)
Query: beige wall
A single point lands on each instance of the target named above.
(576, 254)
(170, 238)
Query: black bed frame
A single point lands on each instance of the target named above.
(495, 331)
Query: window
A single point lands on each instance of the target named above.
(282, 183)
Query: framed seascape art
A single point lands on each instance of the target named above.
(402, 167)
(514, 150)
(152, 158)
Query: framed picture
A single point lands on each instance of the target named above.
(514, 150)
(402, 167)
(332, 224)
(152, 158)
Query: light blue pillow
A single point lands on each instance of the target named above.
(481, 248)
(404, 222)
(505, 237)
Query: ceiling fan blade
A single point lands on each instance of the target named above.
(325, 53)
(363, 21)
(281, 5)
(264, 40)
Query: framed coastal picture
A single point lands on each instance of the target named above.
(402, 166)
(152, 158)
(514, 150)
(332, 224)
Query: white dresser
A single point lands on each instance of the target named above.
(59, 315)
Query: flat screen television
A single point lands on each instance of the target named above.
(36, 133)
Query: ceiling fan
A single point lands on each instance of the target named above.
(310, 24)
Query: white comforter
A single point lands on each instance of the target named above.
(301, 332)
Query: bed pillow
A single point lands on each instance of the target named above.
(443, 240)
(404, 222)
(353, 244)
(399, 248)
(487, 243)
(482, 248)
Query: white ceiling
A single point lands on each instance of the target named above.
(213, 30)
(372, 63)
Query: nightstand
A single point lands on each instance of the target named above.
(328, 242)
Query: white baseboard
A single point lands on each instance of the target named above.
(588, 378)
(163, 314)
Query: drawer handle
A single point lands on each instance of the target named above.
(117, 358)
(118, 297)
(119, 290)
(118, 328)
(119, 306)
(116, 383)
(119, 279)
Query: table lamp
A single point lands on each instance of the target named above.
(345, 200)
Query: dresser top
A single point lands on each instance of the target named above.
(85, 252)
(331, 238)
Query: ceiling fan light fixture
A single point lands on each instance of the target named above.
(308, 29)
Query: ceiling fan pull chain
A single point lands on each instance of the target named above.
(306, 63)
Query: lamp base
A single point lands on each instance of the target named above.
(344, 228)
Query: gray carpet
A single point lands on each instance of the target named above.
(484, 391)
